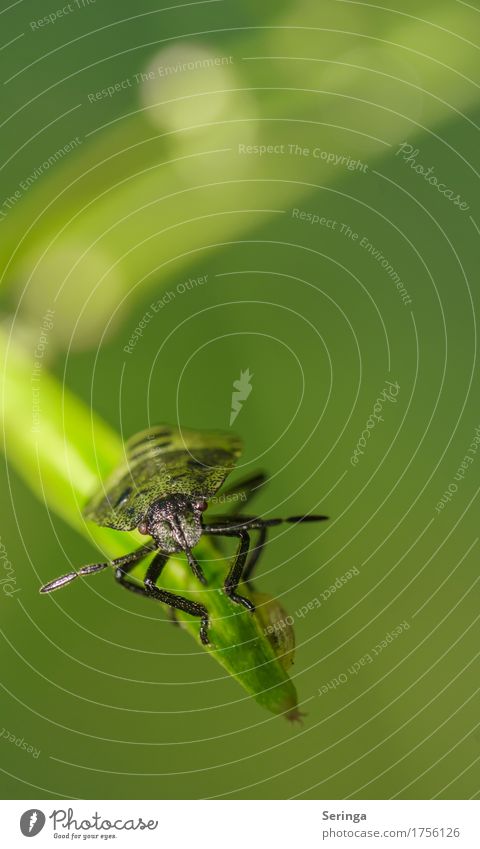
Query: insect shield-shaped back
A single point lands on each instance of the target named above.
(174, 523)
(159, 463)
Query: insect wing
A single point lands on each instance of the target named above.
(163, 461)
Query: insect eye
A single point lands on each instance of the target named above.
(142, 528)
(201, 505)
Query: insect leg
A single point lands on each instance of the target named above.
(255, 553)
(121, 572)
(236, 570)
(96, 567)
(243, 491)
(232, 524)
(177, 602)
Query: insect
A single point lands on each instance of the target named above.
(163, 489)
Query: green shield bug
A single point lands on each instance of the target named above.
(163, 489)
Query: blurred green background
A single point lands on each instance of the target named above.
(111, 199)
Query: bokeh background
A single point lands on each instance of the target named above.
(131, 163)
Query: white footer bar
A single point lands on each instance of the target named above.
(241, 824)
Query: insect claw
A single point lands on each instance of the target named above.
(240, 599)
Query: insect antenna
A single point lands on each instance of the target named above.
(65, 579)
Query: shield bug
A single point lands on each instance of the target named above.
(163, 489)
